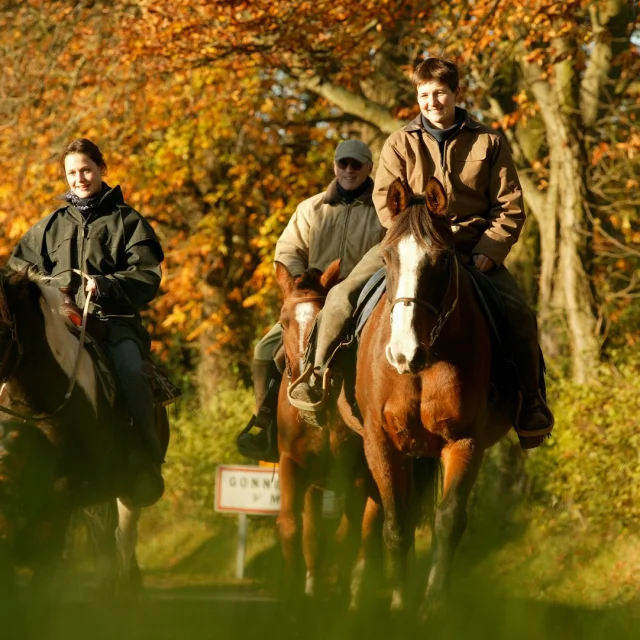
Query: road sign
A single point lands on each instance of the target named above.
(255, 490)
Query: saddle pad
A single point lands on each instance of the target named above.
(491, 303)
(164, 391)
(369, 298)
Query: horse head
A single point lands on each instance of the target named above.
(19, 319)
(304, 296)
(37, 351)
(419, 256)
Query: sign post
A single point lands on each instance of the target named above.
(243, 525)
(251, 490)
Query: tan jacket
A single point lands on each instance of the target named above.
(324, 228)
(485, 196)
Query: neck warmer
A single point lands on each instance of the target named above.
(349, 195)
(89, 205)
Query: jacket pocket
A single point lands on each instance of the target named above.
(471, 168)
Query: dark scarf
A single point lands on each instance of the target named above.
(442, 135)
(349, 195)
(89, 205)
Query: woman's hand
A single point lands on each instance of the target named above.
(482, 263)
(91, 286)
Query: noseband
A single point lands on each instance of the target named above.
(439, 313)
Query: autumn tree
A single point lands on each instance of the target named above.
(556, 76)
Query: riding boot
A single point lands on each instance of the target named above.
(262, 445)
(534, 420)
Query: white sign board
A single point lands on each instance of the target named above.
(254, 490)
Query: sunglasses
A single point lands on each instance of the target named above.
(350, 162)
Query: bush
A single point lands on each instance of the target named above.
(201, 440)
(591, 469)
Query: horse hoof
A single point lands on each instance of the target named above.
(397, 602)
(431, 611)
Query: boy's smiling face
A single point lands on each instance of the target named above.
(438, 103)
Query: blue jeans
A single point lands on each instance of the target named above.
(136, 387)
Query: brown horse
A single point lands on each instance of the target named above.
(57, 455)
(312, 459)
(422, 386)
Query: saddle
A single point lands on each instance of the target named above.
(164, 391)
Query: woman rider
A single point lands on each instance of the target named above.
(97, 233)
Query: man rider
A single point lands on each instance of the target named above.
(339, 223)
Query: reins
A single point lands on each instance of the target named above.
(441, 318)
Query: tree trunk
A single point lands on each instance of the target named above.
(565, 289)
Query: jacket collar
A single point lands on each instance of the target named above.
(416, 123)
(111, 199)
(332, 195)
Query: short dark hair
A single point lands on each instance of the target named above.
(87, 148)
(436, 69)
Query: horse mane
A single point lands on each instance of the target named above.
(310, 280)
(416, 221)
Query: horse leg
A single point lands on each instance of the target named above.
(311, 524)
(368, 574)
(130, 579)
(288, 524)
(101, 521)
(392, 478)
(349, 534)
(461, 464)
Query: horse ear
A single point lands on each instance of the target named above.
(285, 279)
(436, 197)
(397, 197)
(331, 275)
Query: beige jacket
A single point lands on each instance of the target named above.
(324, 228)
(478, 173)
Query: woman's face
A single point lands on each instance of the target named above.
(83, 175)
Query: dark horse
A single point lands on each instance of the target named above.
(313, 459)
(423, 379)
(56, 455)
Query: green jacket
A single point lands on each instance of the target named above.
(116, 246)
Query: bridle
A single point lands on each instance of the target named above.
(439, 313)
(14, 345)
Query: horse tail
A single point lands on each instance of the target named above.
(427, 486)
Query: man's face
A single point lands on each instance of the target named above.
(351, 173)
(438, 104)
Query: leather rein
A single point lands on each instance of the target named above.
(439, 313)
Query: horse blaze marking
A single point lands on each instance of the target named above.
(403, 338)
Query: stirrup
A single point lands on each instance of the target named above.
(534, 433)
(302, 404)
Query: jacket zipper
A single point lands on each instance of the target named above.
(343, 240)
(81, 261)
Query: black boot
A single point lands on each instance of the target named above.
(262, 445)
(146, 484)
(310, 392)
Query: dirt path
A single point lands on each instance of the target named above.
(195, 613)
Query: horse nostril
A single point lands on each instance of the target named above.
(401, 359)
(419, 361)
